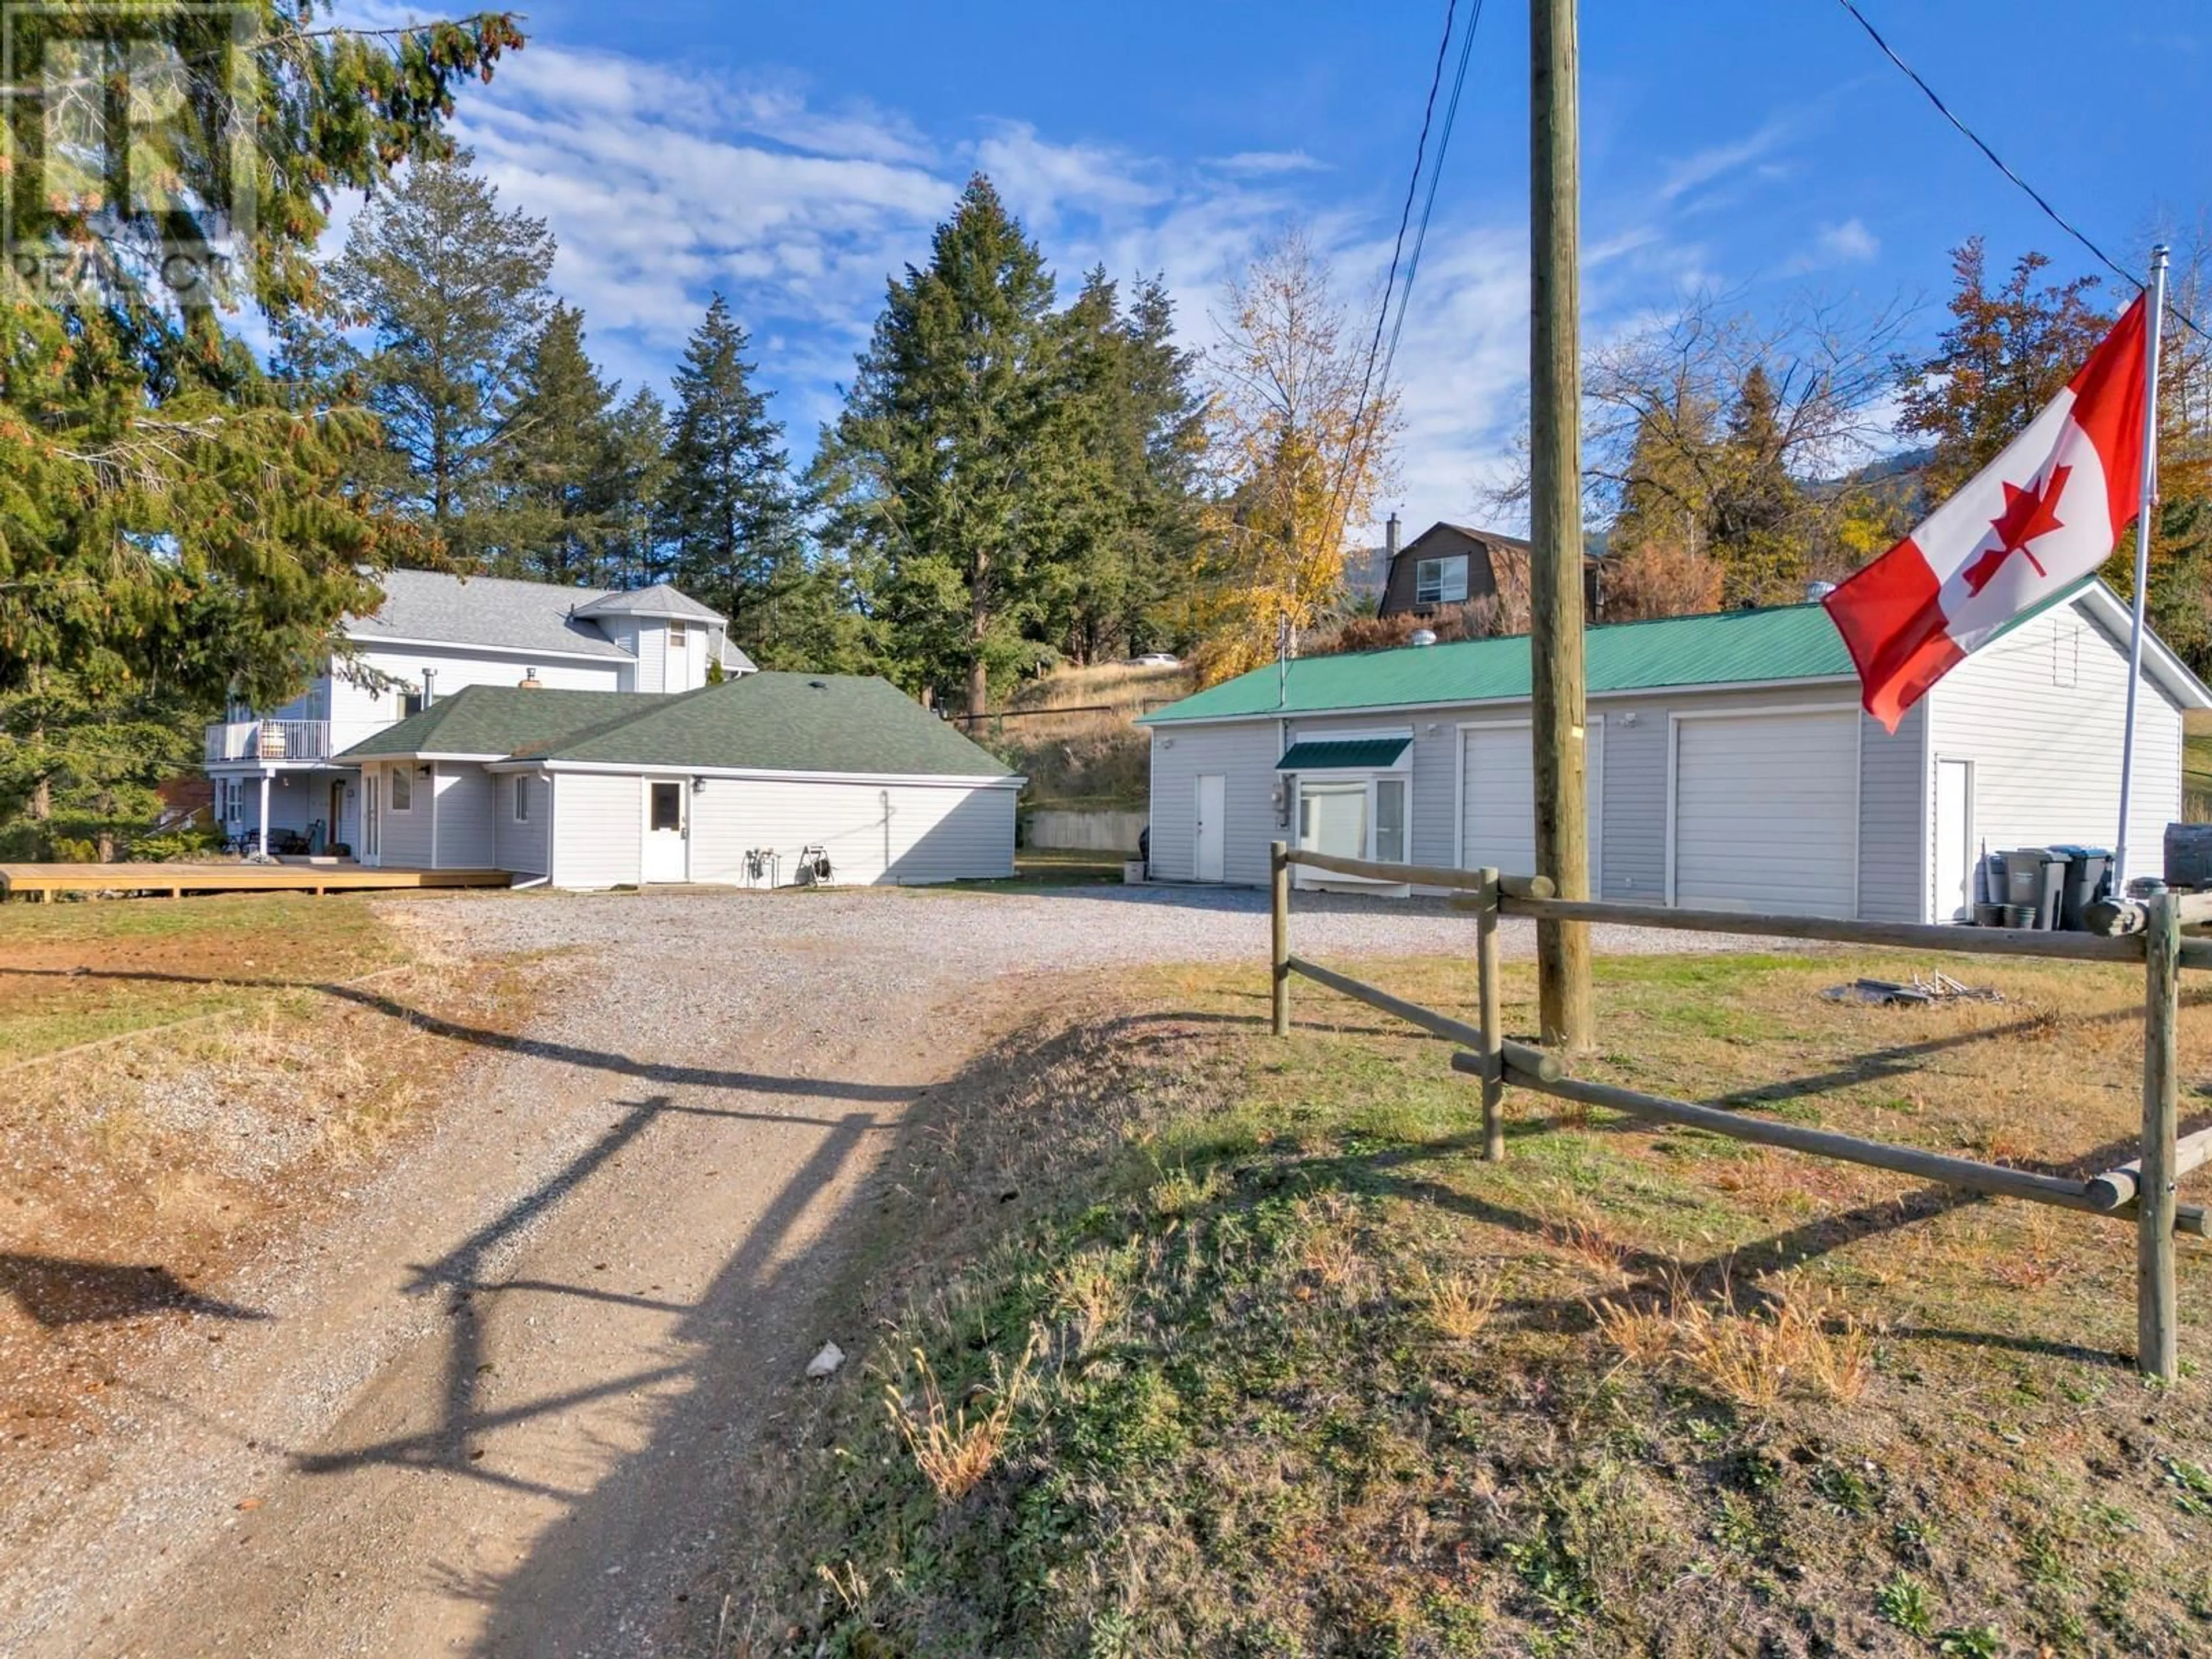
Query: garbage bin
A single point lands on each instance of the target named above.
(2085, 880)
(2035, 878)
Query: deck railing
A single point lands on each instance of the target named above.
(2140, 1192)
(234, 740)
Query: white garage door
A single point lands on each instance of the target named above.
(1498, 803)
(1766, 813)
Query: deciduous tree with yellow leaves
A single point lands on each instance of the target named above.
(1300, 446)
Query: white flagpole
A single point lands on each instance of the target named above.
(2157, 307)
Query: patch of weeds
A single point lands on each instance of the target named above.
(2043, 1562)
(1456, 1622)
(1970, 1641)
(1904, 1602)
(2114, 1607)
(2199, 1598)
(1739, 1527)
(1846, 1490)
(2191, 1486)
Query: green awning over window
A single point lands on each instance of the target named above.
(1344, 754)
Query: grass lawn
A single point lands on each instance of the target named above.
(72, 973)
(1223, 1345)
(2196, 775)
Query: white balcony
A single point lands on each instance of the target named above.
(270, 740)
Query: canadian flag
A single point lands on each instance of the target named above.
(2043, 514)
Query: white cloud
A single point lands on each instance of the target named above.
(1848, 243)
(1044, 182)
(1268, 163)
(1721, 159)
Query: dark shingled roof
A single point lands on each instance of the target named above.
(839, 724)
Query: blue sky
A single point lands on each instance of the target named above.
(795, 155)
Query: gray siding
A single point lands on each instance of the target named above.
(521, 848)
(466, 837)
(1893, 819)
(1245, 755)
(874, 834)
(406, 836)
(2040, 714)
(599, 825)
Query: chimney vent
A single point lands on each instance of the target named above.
(1422, 636)
(1390, 536)
(529, 682)
(1816, 592)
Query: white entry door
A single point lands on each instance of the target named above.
(1498, 799)
(372, 828)
(1212, 815)
(666, 843)
(1766, 813)
(1954, 840)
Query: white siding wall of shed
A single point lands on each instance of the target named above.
(405, 835)
(2040, 714)
(598, 827)
(466, 839)
(521, 848)
(874, 833)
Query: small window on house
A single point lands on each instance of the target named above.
(1390, 820)
(403, 789)
(522, 800)
(410, 703)
(676, 636)
(1440, 581)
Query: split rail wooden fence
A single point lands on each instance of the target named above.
(2142, 1191)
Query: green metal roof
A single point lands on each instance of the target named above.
(1343, 754)
(497, 720)
(837, 723)
(1789, 642)
(833, 723)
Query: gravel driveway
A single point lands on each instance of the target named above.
(495, 1401)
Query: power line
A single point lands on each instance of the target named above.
(1998, 163)
(1429, 204)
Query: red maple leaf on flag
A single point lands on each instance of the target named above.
(2027, 514)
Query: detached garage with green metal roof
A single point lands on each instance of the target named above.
(747, 783)
(1728, 764)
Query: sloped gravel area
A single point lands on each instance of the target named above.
(489, 1402)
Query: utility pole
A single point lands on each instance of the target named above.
(1555, 514)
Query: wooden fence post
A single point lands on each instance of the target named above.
(1494, 1032)
(2156, 1313)
(1279, 866)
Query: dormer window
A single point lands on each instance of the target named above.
(676, 636)
(1440, 581)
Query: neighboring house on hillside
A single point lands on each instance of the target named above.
(1449, 564)
(1728, 764)
(274, 771)
(729, 784)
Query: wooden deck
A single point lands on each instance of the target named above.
(43, 881)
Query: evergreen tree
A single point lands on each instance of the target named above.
(728, 511)
(173, 523)
(1168, 423)
(627, 489)
(940, 472)
(556, 511)
(453, 292)
(1755, 534)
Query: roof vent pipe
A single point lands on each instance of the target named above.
(1422, 636)
(529, 682)
(429, 687)
(1816, 592)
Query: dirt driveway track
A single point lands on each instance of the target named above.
(492, 1402)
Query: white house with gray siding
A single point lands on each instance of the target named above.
(735, 784)
(1728, 762)
(275, 771)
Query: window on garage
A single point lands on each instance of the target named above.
(1353, 794)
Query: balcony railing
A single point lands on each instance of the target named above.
(269, 741)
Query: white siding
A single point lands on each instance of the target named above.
(648, 638)
(598, 827)
(521, 848)
(466, 838)
(357, 713)
(1245, 754)
(2039, 713)
(1894, 812)
(895, 834)
(406, 836)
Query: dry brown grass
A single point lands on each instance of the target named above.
(1806, 1345)
(1125, 687)
(953, 1450)
(1456, 1304)
(1092, 1291)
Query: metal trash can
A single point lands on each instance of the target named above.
(2086, 869)
(2035, 879)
